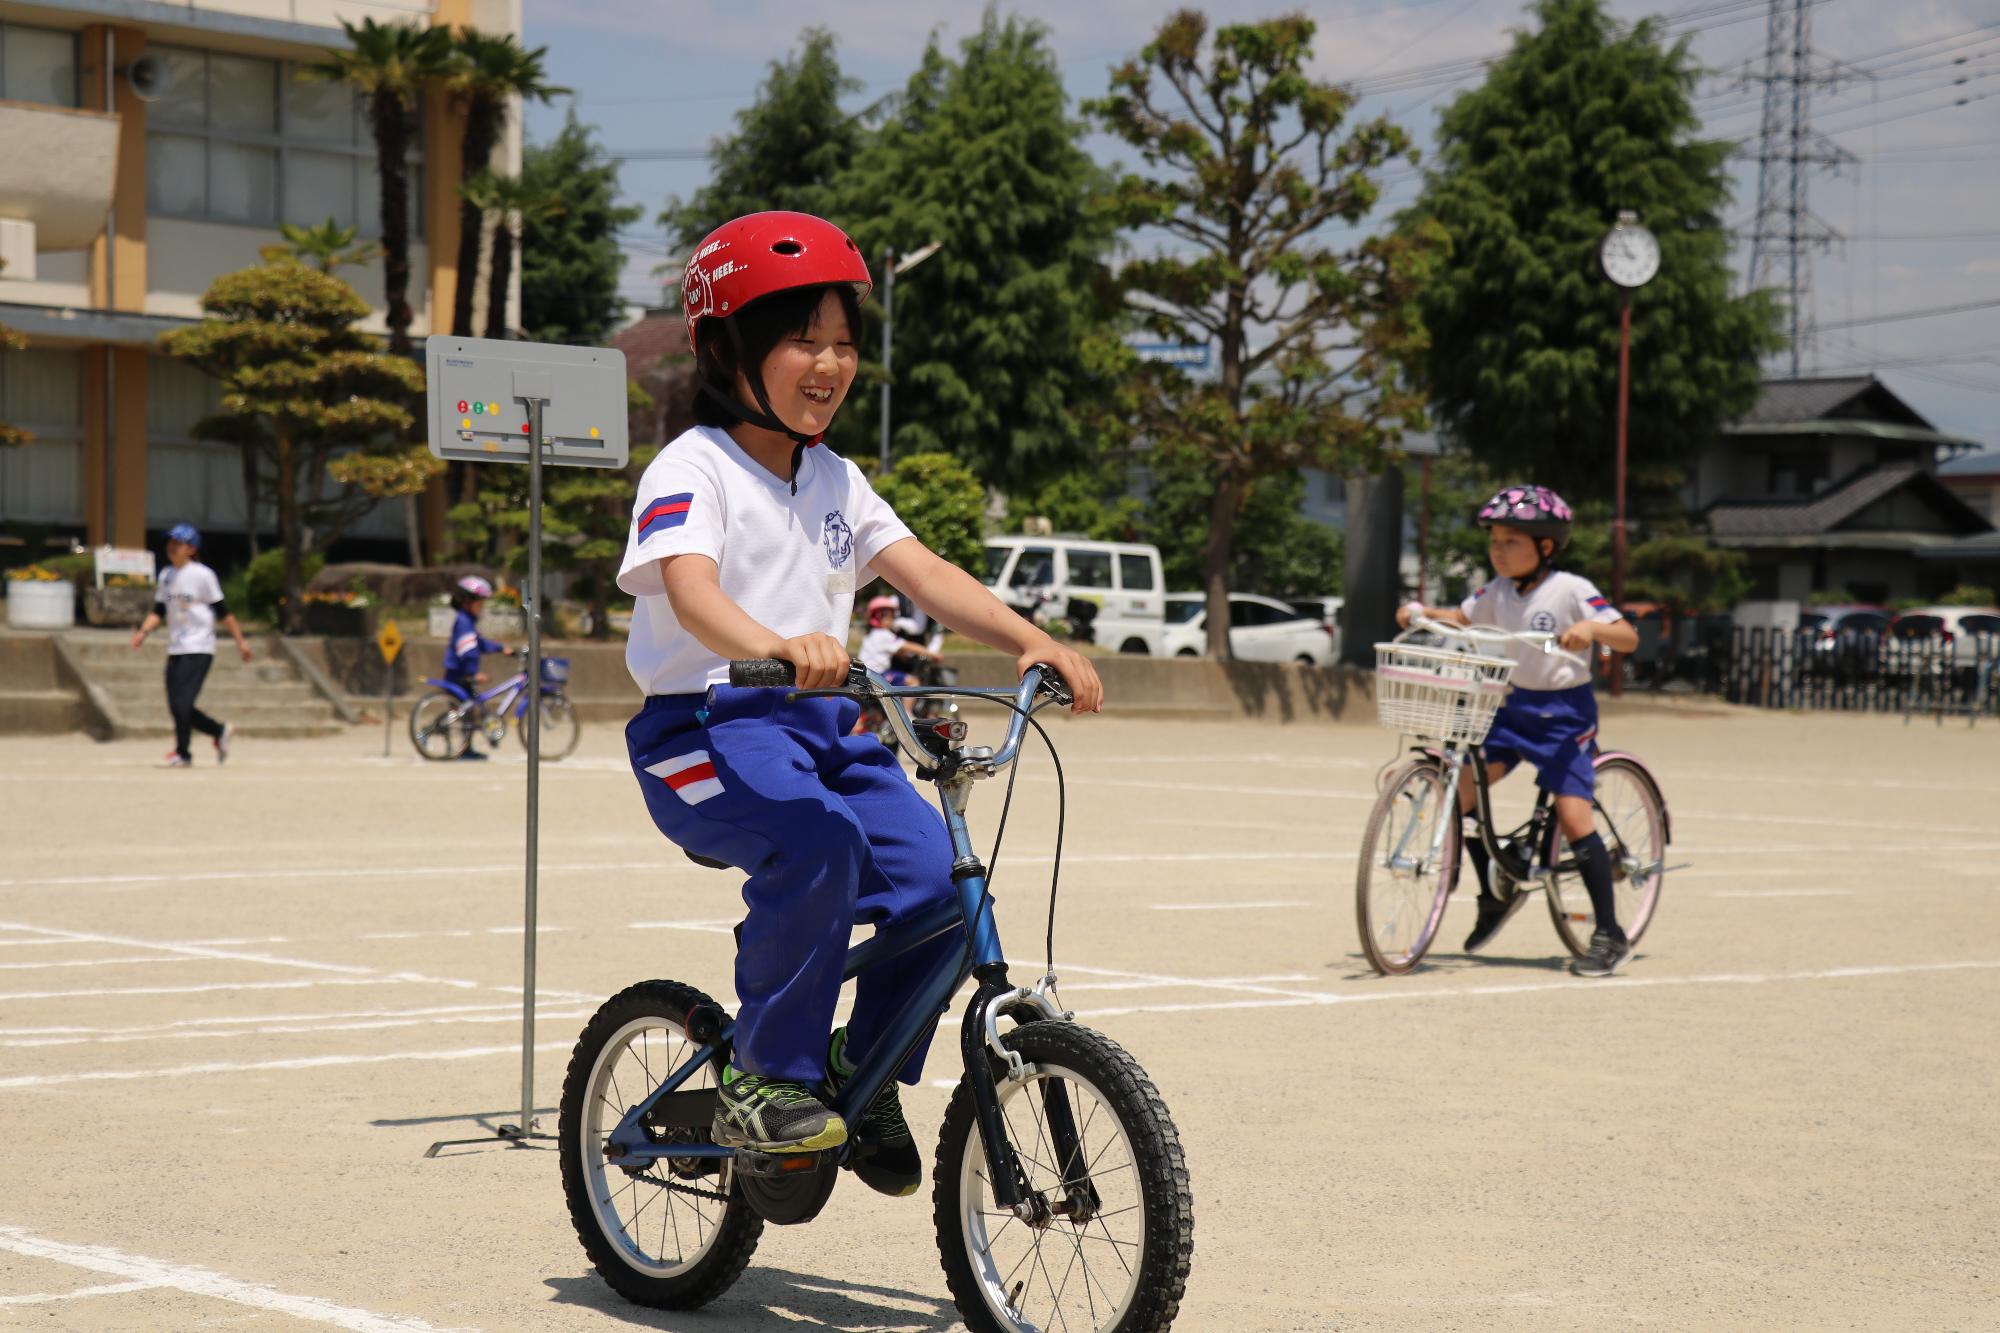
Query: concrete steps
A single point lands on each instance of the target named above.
(264, 697)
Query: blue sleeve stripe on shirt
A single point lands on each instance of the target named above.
(670, 511)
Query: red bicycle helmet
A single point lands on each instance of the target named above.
(761, 253)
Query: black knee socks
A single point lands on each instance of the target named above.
(1475, 847)
(1593, 863)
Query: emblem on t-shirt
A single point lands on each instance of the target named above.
(1542, 623)
(838, 539)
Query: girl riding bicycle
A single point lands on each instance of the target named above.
(748, 540)
(1550, 718)
(462, 654)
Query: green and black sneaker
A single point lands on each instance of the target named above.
(886, 1160)
(770, 1115)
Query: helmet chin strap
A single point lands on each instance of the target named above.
(1543, 564)
(767, 419)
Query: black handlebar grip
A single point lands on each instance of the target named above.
(762, 671)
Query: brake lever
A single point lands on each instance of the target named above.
(1053, 686)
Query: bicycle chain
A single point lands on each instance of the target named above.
(689, 1190)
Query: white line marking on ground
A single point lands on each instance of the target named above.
(1578, 985)
(720, 926)
(241, 1020)
(1782, 893)
(1227, 907)
(114, 1289)
(291, 1029)
(94, 962)
(110, 992)
(1196, 983)
(1162, 985)
(257, 1066)
(347, 872)
(208, 1283)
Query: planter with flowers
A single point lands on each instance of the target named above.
(502, 618)
(39, 598)
(348, 613)
(123, 600)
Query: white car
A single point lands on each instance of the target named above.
(1326, 610)
(1261, 629)
(1039, 576)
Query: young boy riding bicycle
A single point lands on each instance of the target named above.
(1550, 718)
(748, 541)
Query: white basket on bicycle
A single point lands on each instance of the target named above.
(555, 670)
(1439, 694)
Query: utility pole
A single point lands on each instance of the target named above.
(891, 266)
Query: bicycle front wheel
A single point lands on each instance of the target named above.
(437, 727)
(1401, 887)
(1112, 1234)
(1631, 818)
(560, 728)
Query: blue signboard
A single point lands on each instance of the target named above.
(1192, 355)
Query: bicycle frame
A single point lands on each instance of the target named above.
(954, 773)
(515, 687)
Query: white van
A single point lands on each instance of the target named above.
(1123, 580)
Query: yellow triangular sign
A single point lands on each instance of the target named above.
(389, 640)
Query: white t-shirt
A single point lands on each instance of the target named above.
(190, 592)
(792, 562)
(878, 649)
(1552, 606)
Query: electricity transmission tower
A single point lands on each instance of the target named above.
(1785, 232)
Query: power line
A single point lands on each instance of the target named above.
(1895, 316)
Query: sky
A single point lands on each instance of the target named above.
(1919, 207)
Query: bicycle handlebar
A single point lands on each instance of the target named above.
(775, 673)
(1493, 634)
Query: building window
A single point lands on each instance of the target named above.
(244, 140)
(188, 480)
(37, 65)
(41, 391)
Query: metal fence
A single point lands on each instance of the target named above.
(1855, 672)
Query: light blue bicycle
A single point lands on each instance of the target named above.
(1060, 1191)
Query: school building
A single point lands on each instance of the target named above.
(151, 148)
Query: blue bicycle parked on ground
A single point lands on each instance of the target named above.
(1060, 1192)
(443, 723)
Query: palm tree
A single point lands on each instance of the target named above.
(513, 201)
(391, 64)
(326, 246)
(488, 71)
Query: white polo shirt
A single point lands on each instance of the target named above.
(1560, 600)
(792, 562)
(190, 592)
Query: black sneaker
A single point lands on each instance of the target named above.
(1494, 911)
(885, 1157)
(1607, 954)
(770, 1115)
(471, 753)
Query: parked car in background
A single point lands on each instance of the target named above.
(1041, 576)
(1261, 629)
(1968, 634)
(1327, 611)
(1844, 637)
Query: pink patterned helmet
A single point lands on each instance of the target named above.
(1535, 510)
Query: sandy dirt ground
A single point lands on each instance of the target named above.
(237, 1004)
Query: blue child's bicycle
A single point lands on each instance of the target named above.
(443, 723)
(1060, 1192)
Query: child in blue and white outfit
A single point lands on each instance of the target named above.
(1550, 718)
(462, 654)
(748, 541)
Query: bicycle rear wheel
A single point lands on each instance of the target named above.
(1112, 1235)
(1631, 818)
(1399, 890)
(437, 728)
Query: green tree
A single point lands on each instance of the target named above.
(1083, 501)
(488, 70)
(1583, 118)
(1278, 551)
(326, 246)
(1247, 170)
(981, 154)
(789, 144)
(943, 503)
(570, 261)
(512, 200)
(390, 64)
(301, 388)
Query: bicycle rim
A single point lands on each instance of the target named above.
(435, 727)
(1057, 1277)
(1628, 818)
(658, 1232)
(1400, 888)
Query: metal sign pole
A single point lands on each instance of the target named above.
(388, 702)
(532, 599)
